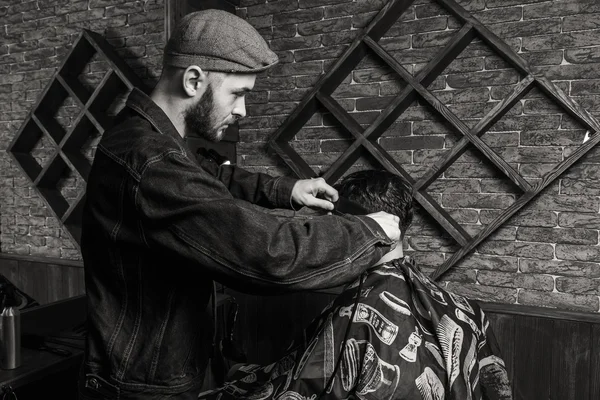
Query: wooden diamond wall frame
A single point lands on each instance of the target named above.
(92, 120)
(416, 89)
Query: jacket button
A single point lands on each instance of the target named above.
(93, 383)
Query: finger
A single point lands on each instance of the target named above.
(319, 203)
(328, 191)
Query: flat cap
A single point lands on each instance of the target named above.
(217, 40)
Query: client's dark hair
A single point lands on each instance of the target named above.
(379, 190)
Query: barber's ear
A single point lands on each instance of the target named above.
(194, 80)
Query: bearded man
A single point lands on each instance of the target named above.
(159, 228)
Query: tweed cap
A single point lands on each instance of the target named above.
(217, 40)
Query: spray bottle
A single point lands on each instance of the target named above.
(10, 329)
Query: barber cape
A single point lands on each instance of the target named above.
(408, 338)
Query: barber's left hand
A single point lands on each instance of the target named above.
(306, 192)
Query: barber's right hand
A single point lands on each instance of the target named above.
(389, 223)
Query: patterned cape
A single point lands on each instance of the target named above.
(407, 339)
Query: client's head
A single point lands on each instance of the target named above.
(379, 190)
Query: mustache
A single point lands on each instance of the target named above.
(232, 120)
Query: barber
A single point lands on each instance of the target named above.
(160, 225)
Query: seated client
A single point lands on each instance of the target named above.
(392, 334)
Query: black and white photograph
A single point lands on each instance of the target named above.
(300, 199)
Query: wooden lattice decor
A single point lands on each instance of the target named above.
(365, 140)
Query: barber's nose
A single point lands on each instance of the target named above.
(239, 109)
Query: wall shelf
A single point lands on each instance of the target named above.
(95, 113)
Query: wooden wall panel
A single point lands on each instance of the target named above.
(571, 360)
(246, 324)
(34, 280)
(267, 325)
(64, 282)
(290, 315)
(277, 313)
(176, 9)
(503, 328)
(533, 358)
(594, 376)
(10, 269)
(46, 280)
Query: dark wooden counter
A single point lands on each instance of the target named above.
(49, 371)
(37, 365)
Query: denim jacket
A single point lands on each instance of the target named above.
(158, 228)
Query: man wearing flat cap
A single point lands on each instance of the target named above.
(160, 225)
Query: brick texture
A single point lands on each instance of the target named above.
(35, 37)
(547, 254)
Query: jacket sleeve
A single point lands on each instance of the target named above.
(189, 212)
(257, 188)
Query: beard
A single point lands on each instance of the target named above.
(201, 119)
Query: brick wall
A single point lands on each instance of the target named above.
(548, 254)
(35, 37)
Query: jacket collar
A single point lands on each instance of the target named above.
(147, 108)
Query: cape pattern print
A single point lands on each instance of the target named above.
(409, 339)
